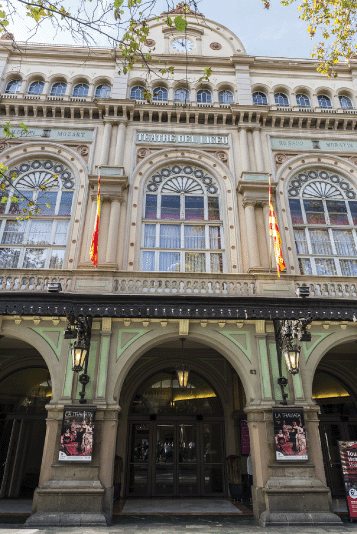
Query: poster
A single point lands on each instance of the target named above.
(244, 437)
(289, 434)
(76, 442)
(348, 454)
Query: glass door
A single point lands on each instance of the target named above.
(138, 472)
(165, 461)
(187, 459)
(212, 458)
(331, 433)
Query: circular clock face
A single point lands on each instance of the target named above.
(181, 45)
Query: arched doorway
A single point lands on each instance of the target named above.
(334, 389)
(25, 389)
(176, 438)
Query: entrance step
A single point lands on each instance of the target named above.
(181, 507)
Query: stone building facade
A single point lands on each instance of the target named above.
(184, 252)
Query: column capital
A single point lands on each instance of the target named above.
(249, 202)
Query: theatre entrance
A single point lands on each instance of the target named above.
(176, 438)
(25, 389)
(334, 389)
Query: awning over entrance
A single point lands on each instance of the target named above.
(189, 307)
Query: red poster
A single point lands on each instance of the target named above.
(348, 453)
(244, 437)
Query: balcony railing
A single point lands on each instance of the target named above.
(179, 284)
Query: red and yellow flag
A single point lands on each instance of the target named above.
(93, 252)
(275, 234)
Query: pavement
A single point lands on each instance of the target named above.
(179, 524)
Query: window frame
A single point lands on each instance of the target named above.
(223, 93)
(80, 85)
(284, 98)
(262, 95)
(58, 84)
(322, 100)
(347, 98)
(136, 88)
(55, 219)
(18, 86)
(182, 222)
(208, 95)
(305, 97)
(161, 94)
(308, 251)
(100, 87)
(32, 85)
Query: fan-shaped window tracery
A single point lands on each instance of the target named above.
(323, 208)
(181, 222)
(45, 189)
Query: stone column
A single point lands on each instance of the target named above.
(107, 454)
(119, 149)
(258, 149)
(91, 227)
(106, 143)
(244, 149)
(113, 232)
(265, 206)
(253, 248)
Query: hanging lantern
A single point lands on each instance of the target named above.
(292, 356)
(182, 372)
(79, 351)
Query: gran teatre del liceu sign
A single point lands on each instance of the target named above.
(327, 145)
(181, 139)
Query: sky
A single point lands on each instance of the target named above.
(275, 32)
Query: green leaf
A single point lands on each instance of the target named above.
(24, 127)
(180, 23)
(169, 21)
(117, 3)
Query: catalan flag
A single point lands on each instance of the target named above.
(275, 234)
(93, 252)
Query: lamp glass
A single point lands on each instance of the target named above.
(78, 357)
(182, 376)
(292, 356)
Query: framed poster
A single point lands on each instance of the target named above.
(348, 454)
(289, 434)
(76, 442)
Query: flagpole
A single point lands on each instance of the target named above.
(270, 236)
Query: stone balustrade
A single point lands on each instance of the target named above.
(199, 284)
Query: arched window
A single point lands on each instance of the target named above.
(137, 92)
(281, 99)
(204, 96)
(40, 242)
(303, 101)
(324, 101)
(182, 228)
(81, 90)
(103, 91)
(260, 99)
(225, 97)
(36, 88)
(58, 89)
(346, 102)
(323, 209)
(160, 94)
(182, 95)
(13, 87)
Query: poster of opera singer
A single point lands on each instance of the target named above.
(289, 434)
(77, 435)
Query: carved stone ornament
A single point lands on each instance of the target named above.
(150, 42)
(353, 159)
(83, 150)
(182, 8)
(280, 159)
(7, 37)
(143, 152)
(222, 156)
(4, 145)
(215, 46)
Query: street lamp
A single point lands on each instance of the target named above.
(182, 370)
(79, 328)
(287, 332)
